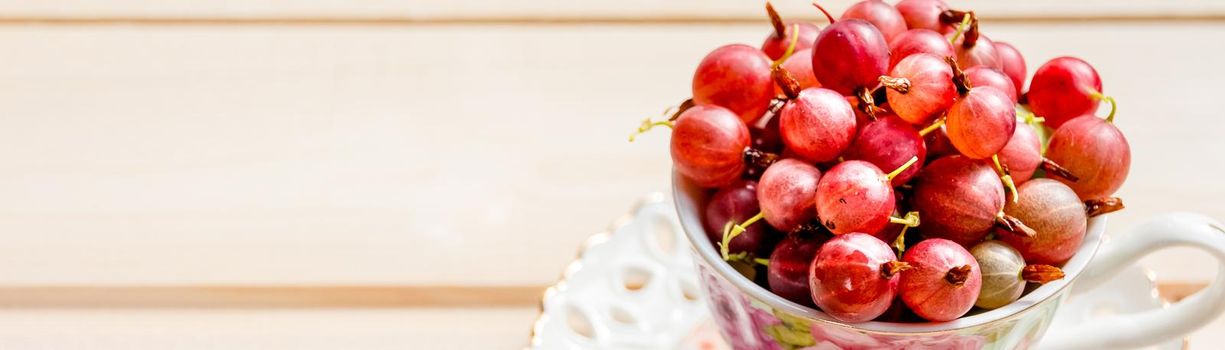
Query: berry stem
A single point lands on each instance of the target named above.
(971, 35)
(935, 125)
(959, 77)
(807, 229)
(901, 85)
(758, 158)
(787, 82)
(827, 15)
(1113, 106)
(867, 103)
(951, 16)
(1041, 274)
(1095, 207)
(1013, 225)
(791, 46)
(780, 29)
(958, 275)
(762, 262)
(731, 230)
(685, 105)
(1052, 168)
(1032, 120)
(1006, 178)
(965, 21)
(647, 125)
(902, 168)
(899, 243)
(911, 219)
(892, 268)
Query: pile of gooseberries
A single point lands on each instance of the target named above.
(896, 154)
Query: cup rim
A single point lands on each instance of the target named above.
(687, 199)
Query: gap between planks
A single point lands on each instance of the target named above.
(270, 297)
(262, 297)
(537, 20)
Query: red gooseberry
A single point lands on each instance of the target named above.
(708, 144)
(787, 273)
(817, 123)
(924, 14)
(786, 192)
(1064, 88)
(959, 199)
(854, 277)
(736, 77)
(1057, 217)
(1013, 64)
(736, 203)
(943, 281)
(849, 55)
(920, 88)
(856, 196)
(917, 41)
(1095, 151)
(884, 16)
(888, 142)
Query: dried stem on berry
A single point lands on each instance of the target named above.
(958, 275)
(962, 20)
(1041, 274)
(1095, 207)
(780, 29)
(867, 103)
(784, 79)
(972, 33)
(952, 16)
(959, 77)
(1052, 168)
(1013, 225)
(685, 105)
(647, 124)
(892, 268)
(901, 85)
(809, 229)
(827, 15)
(759, 159)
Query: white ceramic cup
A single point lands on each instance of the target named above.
(751, 317)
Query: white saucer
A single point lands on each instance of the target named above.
(635, 287)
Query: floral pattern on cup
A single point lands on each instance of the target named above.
(748, 323)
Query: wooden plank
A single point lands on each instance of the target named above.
(434, 155)
(490, 328)
(560, 10)
(312, 296)
(268, 296)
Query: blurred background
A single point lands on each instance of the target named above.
(413, 173)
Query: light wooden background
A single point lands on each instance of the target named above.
(392, 174)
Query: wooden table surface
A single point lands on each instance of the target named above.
(390, 174)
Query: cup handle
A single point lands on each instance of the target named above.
(1153, 326)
